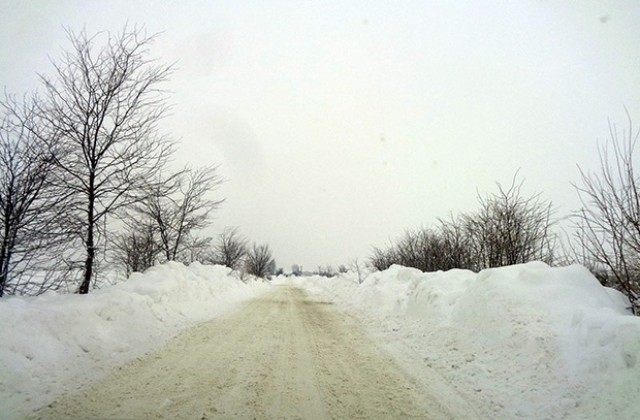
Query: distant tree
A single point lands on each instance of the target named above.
(326, 271)
(104, 105)
(296, 270)
(608, 224)
(136, 250)
(381, 259)
(510, 229)
(259, 261)
(271, 268)
(342, 269)
(176, 207)
(358, 269)
(230, 249)
(196, 248)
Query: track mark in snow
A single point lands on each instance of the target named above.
(282, 356)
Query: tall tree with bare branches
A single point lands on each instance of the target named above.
(177, 206)
(28, 205)
(104, 104)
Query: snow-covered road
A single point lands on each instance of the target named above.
(283, 355)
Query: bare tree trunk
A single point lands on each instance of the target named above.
(91, 250)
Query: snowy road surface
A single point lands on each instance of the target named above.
(283, 355)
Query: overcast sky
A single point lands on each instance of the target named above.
(338, 124)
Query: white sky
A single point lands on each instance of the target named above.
(338, 124)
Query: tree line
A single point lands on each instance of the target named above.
(509, 228)
(84, 182)
(83, 176)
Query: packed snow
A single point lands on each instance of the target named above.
(525, 341)
(53, 344)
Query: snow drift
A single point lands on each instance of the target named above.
(525, 341)
(53, 344)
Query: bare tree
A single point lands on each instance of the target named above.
(326, 271)
(455, 248)
(104, 104)
(28, 205)
(196, 249)
(381, 259)
(510, 229)
(259, 260)
(136, 250)
(608, 225)
(230, 249)
(359, 270)
(421, 249)
(272, 268)
(296, 270)
(176, 207)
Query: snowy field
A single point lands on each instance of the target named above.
(53, 344)
(524, 341)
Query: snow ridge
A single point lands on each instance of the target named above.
(525, 341)
(53, 344)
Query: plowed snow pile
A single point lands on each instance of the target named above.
(525, 341)
(53, 344)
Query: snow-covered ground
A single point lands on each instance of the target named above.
(525, 341)
(53, 344)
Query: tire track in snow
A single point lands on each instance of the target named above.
(281, 356)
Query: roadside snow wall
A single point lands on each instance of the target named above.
(53, 344)
(525, 341)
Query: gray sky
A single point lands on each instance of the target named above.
(338, 124)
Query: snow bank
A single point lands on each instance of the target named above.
(53, 344)
(526, 341)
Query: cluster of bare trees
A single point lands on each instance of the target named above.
(233, 250)
(507, 229)
(29, 204)
(162, 224)
(85, 155)
(606, 235)
(510, 229)
(168, 236)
